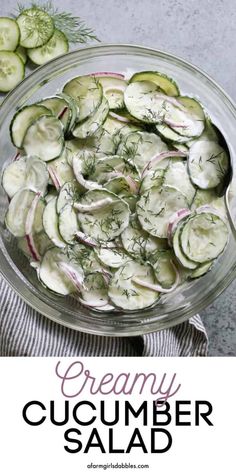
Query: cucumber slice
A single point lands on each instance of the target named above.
(93, 123)
(201, 270)
(177, 176)
(100, 143)
(56, 46)
(22, 120)
(68, 223)
(61, 169)
(126, 294)
(59, 108)
(165, 83)
(74, 111)
(138, 242)
(96, 291)
(50, 274)
(113, 90)
(109, 167)
(17, 212)
(114, 258)
(69, 193)
(50, 223)
(44, 138)
(208, 164)
(155, 177)
(181, 257)
(106, 222)
(204, 237)
(9, 34)
(156, 206)
(142, 102)
(208, 197)
(186, 117)
(21, 52)
(162, 263)
(209, 133)
(87, 92)
(36, 27)
(141, 147)
(27, 172)
(12, 70)
(170, 135)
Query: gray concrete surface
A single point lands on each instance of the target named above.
(201, 31)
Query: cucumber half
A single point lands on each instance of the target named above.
(12, 70)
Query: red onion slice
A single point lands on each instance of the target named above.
(86, 240)
(29, 228)
(54, 178)
(157, 287)
(113, 75)
(123, 119)
(75, 277)
(160, 157)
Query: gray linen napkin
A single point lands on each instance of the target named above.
(25, 332)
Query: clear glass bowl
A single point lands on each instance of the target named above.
(188, 299)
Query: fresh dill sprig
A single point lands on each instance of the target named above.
(72, 26)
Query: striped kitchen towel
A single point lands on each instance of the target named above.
(25, 332)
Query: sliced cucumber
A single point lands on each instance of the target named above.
(56, 46)
(170, 135)
(93, 123)
(52, 276)
(106, 222)
(59, 108)
(208, 197)
(21, 52)
(106, 168)
(200, 270)
(74, 111)
(142, 102)
(87, 92)
(165, 83)
(69, 193)
(177, 176)
(22, 120)
(44, 138)
(138, 242)
(68, 223)
(126, 294)
(113, 89)
(208, 164)
(156, 206)
(27, 172)
(12, 70)
(9, 34)
(114, 258)
(61, 169)
(204, 237)
(181, 257)
(96, 291)
(186, 117)
(36, 27)
(140, 147)
(100, 143)
(51, 222)
(17, 212)
(162, 263)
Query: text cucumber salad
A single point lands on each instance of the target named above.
(114, 189)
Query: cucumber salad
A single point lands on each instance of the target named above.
(114, 192)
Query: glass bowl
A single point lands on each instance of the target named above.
(190, 298)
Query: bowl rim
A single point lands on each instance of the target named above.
(148, 326)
